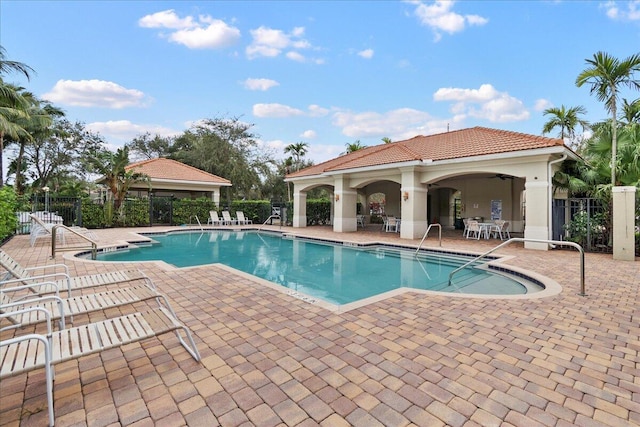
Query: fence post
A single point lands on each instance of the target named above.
(150, 209)
(78, 206)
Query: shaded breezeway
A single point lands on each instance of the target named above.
(271, 359)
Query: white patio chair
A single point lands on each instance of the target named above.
(360, 221)
(214, 219)
(241, 218)
(392, 225)
(501, 229)
(474, 230)
(227, 220)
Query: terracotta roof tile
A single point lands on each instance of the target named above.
(162, 168)
(462, 143)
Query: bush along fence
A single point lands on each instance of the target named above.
(142, 212)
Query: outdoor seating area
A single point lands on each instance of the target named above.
(474, 229)
(270, 357)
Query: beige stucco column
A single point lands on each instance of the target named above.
(413, 206)
(624, 208)
(536, 213)
(215, 197)
(344, 207)
(299, 208)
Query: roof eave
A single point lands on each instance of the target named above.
(512, 154)
(361, 169)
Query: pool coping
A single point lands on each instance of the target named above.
(551, 287)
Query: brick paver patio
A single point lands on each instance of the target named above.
(269, 359)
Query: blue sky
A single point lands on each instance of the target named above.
(326, 73)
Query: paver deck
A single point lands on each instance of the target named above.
(269, 359)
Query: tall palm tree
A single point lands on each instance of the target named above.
(387, 140)
(297, 150)
(606, 74)
(567, 119)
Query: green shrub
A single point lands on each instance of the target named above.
(134, 213)
(318, 212)
(256, 210)
(8, 207)
(185, 210)
(92, 214)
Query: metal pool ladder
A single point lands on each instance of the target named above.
(520, 239)
(427, 232)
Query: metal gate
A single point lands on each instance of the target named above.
(584, 221)
(69, 208)
(161, 210)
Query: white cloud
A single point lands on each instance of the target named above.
(373, 124)
(260, 84)
(166, 19)
(542, 104)
(367, 53)
(317, 111)
(632, 12)
(440, 18)
(95, 93)
(309, 134)
(269, 42)
(275, 111)
(124, 131)
(203, 33)
(484, 103)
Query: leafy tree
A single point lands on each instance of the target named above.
(606, 74)
(59, 156)
(147, 147)
(567, 119)
(227, 148)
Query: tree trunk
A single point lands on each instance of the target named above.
(19, 185)
(1, 159)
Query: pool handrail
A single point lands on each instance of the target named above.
(524, 239)
(271, 217)
(54, 229)
(427, 232)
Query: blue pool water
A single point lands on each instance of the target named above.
(334, 273)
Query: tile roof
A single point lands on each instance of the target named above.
(162, 168)
(462, 143)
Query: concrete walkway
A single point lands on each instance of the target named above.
(426, 360)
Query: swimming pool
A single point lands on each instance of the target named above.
(335, 273)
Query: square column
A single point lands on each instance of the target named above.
(624, 223)
(299, 209)
(413, 206)
(536, 214)
(344, 206)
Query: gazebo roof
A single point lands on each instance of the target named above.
(477, 141)
(167, 169)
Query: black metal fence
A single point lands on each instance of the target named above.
(584, 221)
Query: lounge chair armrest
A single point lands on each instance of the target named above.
(46, 312)
(33, 285)
(43, 267)
(35, 300)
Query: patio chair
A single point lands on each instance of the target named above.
(501, 229)
(465, 221)
(241, 218)
(214, 219)
(11, 301)
(392, 225)
(473, 229)
(360, 219)
(60, 276)
(227, 220)
(29, 352)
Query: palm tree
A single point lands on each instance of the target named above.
(387, 140)
(630, 112)
(12, 104)
(567, 120)
(297, 150)
(606, 74)
(354, 146)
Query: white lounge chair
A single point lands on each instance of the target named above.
(59, 274)
(227, 220)
(214, 219)
(241, 218)
(14, 299)
(29, 352)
